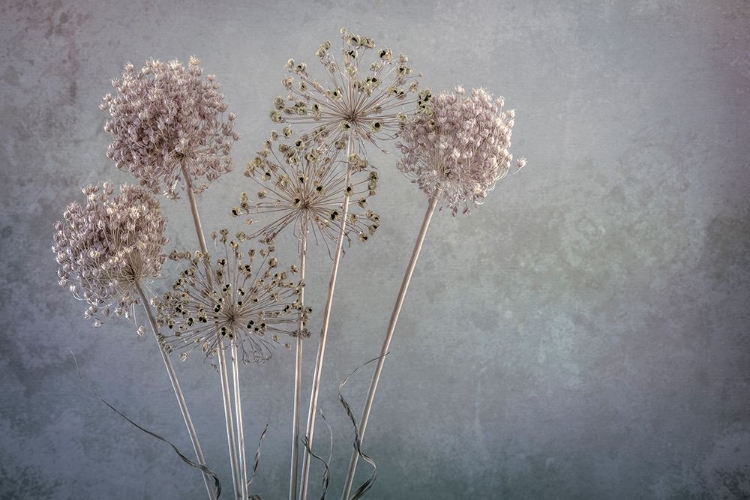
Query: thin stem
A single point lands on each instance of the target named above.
(293, 476)
(242, 463)
(177, 391)
(324, 330)
(226, 397)
(388, 337)
(220, 354)
(196, 218)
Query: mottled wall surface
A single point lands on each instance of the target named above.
(585, 334)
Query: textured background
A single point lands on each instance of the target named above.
(583, 335)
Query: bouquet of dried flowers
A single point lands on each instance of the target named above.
(170, 129)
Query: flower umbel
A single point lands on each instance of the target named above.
(362, 99)
(302, 187)
(460, 145)
(248, 299)
(164, 118)
(108, 245)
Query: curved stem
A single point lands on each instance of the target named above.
(388, 337)
(293, 476)
(177, 391)
(324, 330)
(220, 354)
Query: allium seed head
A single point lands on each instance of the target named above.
(358, 98)
(164, 118)
(459, 145)
(248, 298)
(107, 246)
(303, 187)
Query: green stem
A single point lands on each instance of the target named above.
(177, 390)
(388, 337)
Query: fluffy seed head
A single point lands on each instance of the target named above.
(164, 118)
(107, 245)
(459, 144)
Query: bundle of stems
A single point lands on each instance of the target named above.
(231, 398)
(177, 390)
(455, 147)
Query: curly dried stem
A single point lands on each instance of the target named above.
(388, 337)
(177, 391)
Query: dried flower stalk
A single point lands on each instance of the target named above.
(320, 356)
(110, 247)
(456, 149)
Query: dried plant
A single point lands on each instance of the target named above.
(167, 125)
(109, 245)
(248, 299)
(361, 100)
(235, 302)
(357, 105)
(458, 146)
(455, 149)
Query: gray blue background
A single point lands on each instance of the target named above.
(585, 334)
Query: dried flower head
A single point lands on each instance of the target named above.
(302, 187)
(166, 118)
(362, 100)
(107, 246)
(247, 298)
(459, 145)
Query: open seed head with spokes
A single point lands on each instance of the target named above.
(302, 185)
(247, 298)
(367, 101)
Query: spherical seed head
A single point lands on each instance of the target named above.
(459, 144)
(247, 298)
(301, 185)
(361, 97)
(166, 117)
(108, 245)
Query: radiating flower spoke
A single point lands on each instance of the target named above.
(363, 99)
(248, 299)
